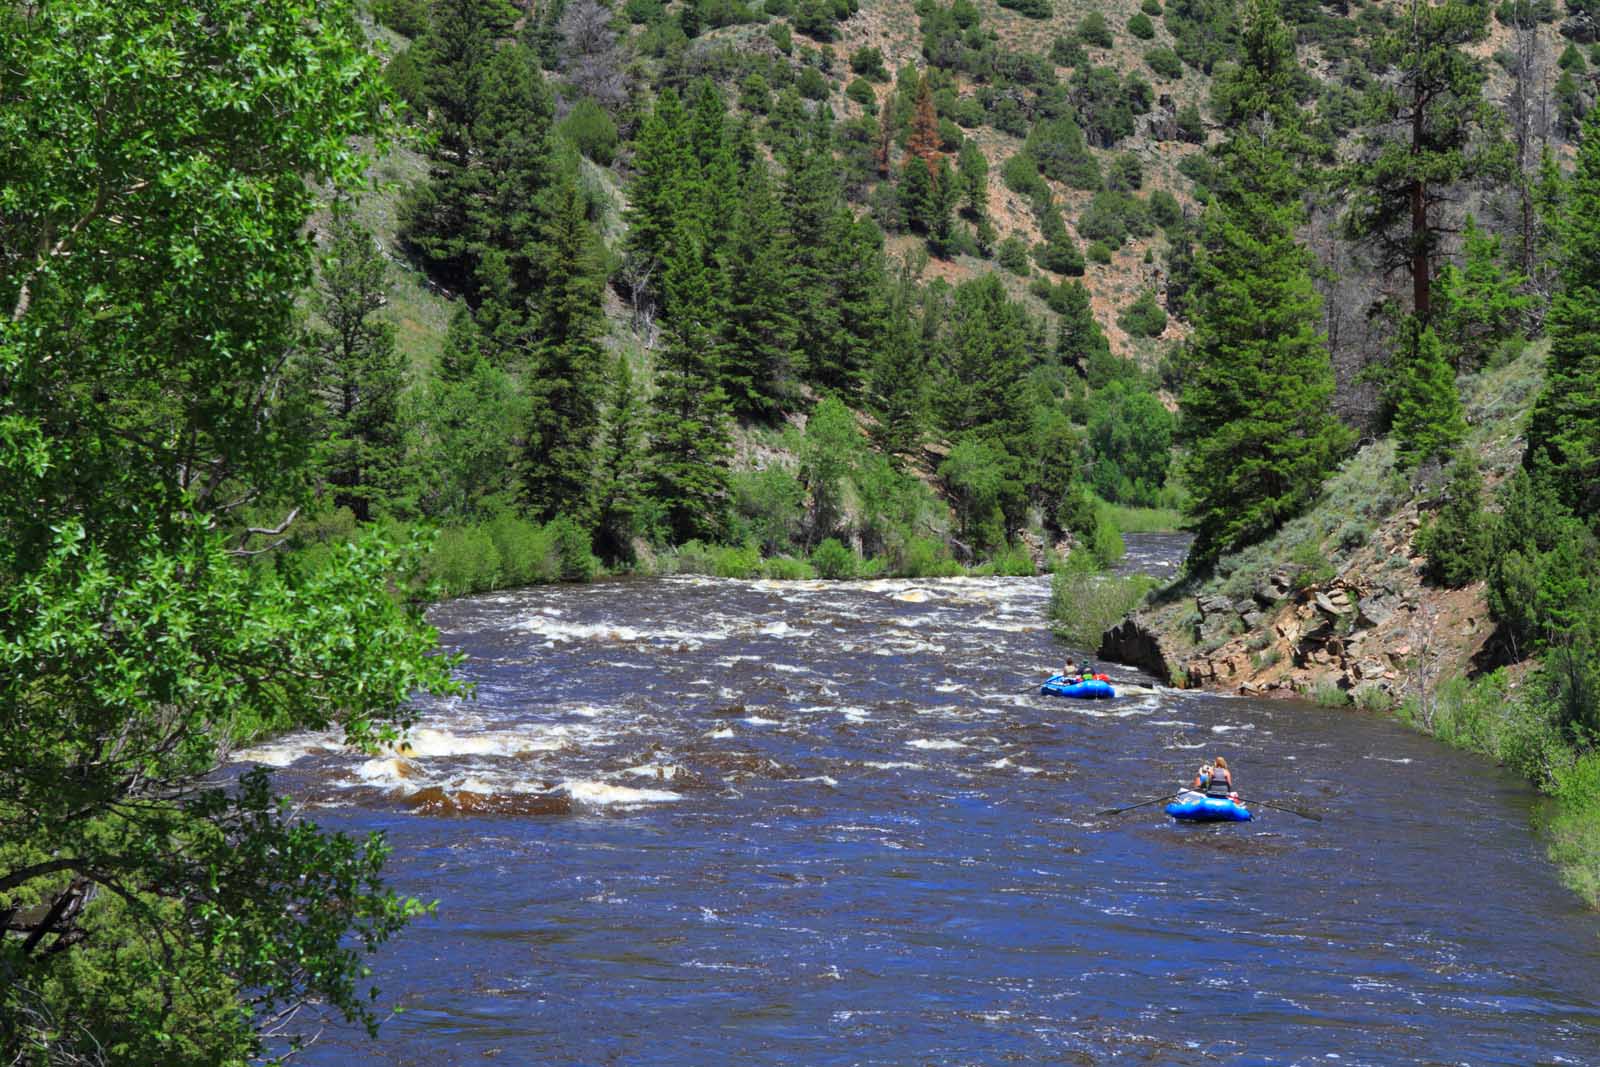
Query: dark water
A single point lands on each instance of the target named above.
(711, 822)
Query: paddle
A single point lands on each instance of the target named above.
(1141, 804)
(1279, 807)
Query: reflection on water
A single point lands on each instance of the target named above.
(694, 821)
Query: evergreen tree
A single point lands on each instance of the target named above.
(758, 334)
(1456, 537)
(811, 203)
(689, 435)
(663, 165)
(462, 424)
(898, 385)
(1564, 431)
(568, 378)
(1427, 422)
(856, 288)
(1481, 304)
(1430, 129)
(972, 180)
(1255, 408)
(354, 371)
(617, 498)
(1079, 339)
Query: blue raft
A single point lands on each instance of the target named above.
(1093, 689)
(1197, 807)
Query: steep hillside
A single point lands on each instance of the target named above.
(1338, 605)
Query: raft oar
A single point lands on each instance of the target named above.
(1141, 804)
(1280, 807)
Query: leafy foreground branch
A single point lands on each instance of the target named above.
(159, 162)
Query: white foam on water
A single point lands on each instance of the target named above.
(935, 743)
(557, 631)
(427, 742)
(661, 772)
(1385, 759)
(1171, 722)
(391, 772)
(756, 720)
(914, 596)
(287, 750)
(1003, 761)
(831, 783)
(893, 765)
(604, 794)
(1221, 728)
(724, 732)
(855, 714)
(948, 686)
(790, 668)
(1031, 770)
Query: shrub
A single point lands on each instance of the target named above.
(1012, 254)
(1067, 52)
(1020, 172)
(1125, 173)
(1455, 538)
(573, 549)
(1328, 695)
(590, 130)
(868, 62)
(833, 560)
(406, 17)
(736, 561)
(1144, 317)
(1084, 605)
(779, 32)
(1093, 31)
(644, 12)
(1165, 211)
(526, 550)
(1164, 63)
(1012, 562)
(1059, 151)
(812, 85)
(924, 557)
(1033, 9)
(1099, 252)
(1151, 8)
(1141, 26)
(755, 95)
(787, 569)
(463, 560)
(405, 78)
(860, 90)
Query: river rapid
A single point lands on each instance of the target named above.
(696, 822)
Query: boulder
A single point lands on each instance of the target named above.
(1375, 611)
(1336, 603)
(1213, 605)
(1133, 643)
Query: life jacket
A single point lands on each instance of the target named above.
(1218, 786)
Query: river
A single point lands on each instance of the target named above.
(697, 822)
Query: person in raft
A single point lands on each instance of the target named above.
(1070, 671)
(1215, 780)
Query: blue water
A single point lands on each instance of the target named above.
(698, 822)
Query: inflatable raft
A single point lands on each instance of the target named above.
(1089, 689)
(1197, 807)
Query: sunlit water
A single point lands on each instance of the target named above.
(702, 822)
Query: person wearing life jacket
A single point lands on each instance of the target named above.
(1215, 780)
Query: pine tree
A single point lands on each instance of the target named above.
(856, 289)
(663, 165)
(618, 479)
(463, 425)
(1480, 303)
(758, 334)
(923, 142)
(898, 385)
(811, 203)
(355, 371)
(972, 177)
(1079, 339)
(689, 435)
(1564, 431)
(568, 377)
(1255, 407)
(1427, 421)
(1432, 129)
(983, 391)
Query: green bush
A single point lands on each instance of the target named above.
(1151, 8)
(590, 130)
(1059, 151)
(574, 550)
(1033, 9)
(1093, 31)
(736, 561)
(925, 557)
(1012, 562)
(860, 90)
(408, 18)
(405, 78)
(1067, 52)
(1456, 537)
(1165, 211)
(463, 560)
(1020, 172)
(1164, 63)
(1125, 173)
(1141, 26)
(833, 560)
(1145, 317)
(779, 32)
(812, 85)
(1012, 254)
(868, 62)
(787, 569)
(1098, 252)
(526, 550)
(1084, 604)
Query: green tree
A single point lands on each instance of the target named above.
(828, 456)
(1130, 438)
(1455, 539)
(663, 164)
(1255, 408)
(353, 371)
(462, 431)
(1430, 128)
(1564, 430)
(159, 176)
(1427, 421)
(568, 376)
(1481, 304)
(618, 501)
(758, 334)
(690, 442)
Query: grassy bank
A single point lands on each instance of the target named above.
(1522, 729)
(1085, 602)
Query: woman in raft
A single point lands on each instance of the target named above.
(1215, 780)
